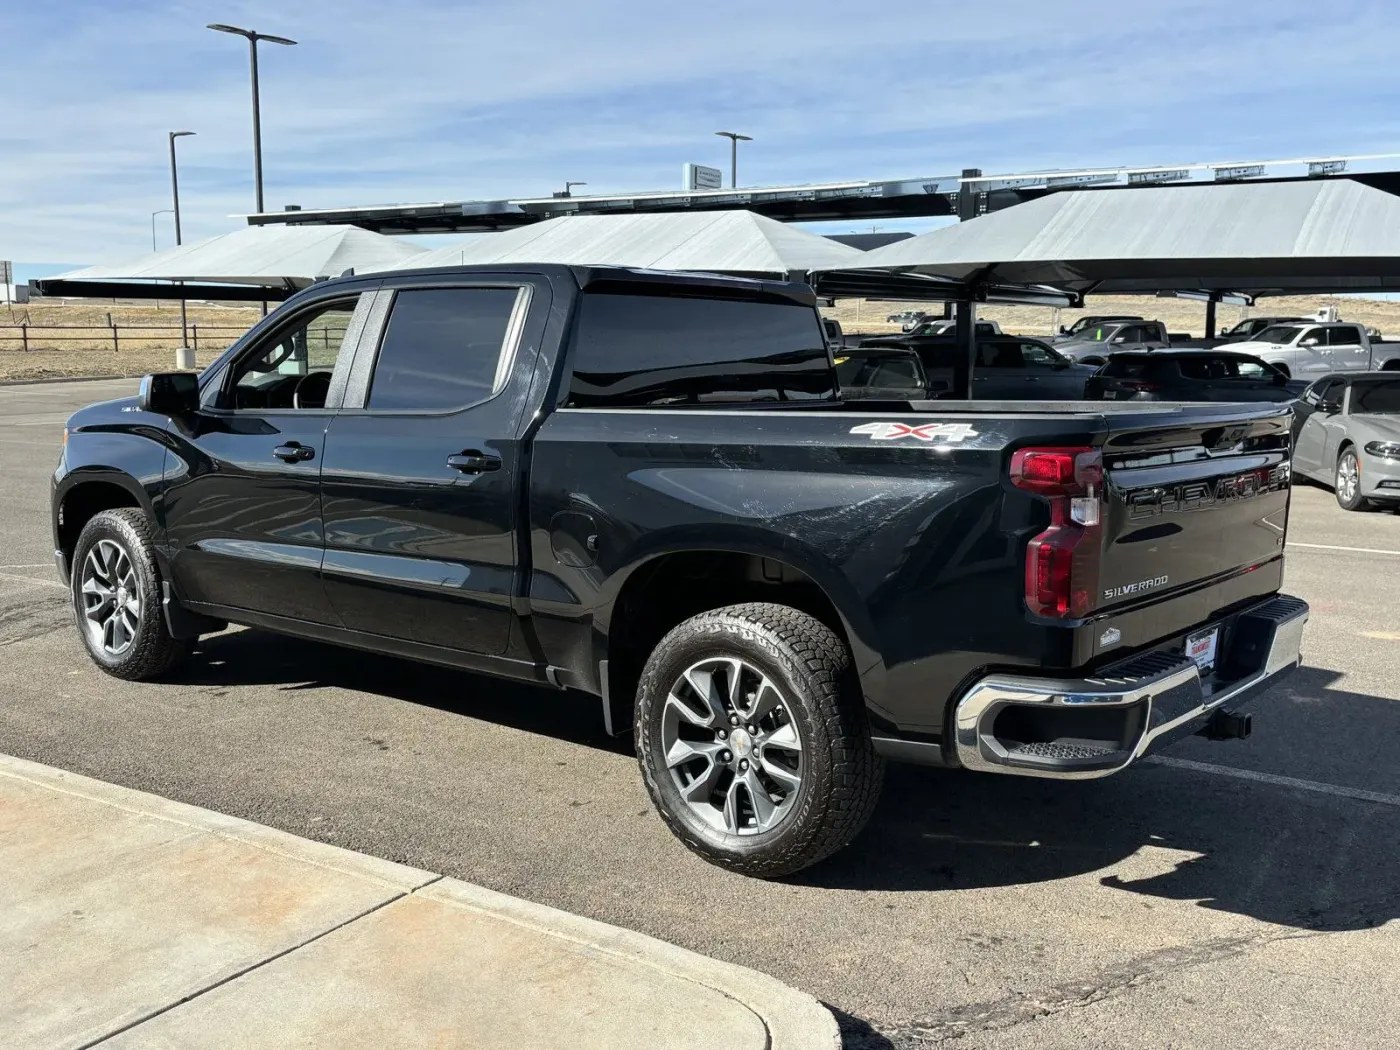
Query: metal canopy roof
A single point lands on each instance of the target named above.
(283, 258)
(1257, 239)
(734, 242)
(858, 199)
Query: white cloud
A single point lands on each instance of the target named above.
(431, 101)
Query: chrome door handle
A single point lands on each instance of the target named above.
(473, 461)
(294, 452)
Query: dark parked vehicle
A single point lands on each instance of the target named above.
(872, 372)
(641, 486)
(1008, 367)
(1190, 375)
(1347, 434)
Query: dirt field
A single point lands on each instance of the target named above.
(1180, 315)
(74, 337)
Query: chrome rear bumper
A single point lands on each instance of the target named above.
(1140, 705)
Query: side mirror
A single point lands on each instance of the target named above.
(1310, 341)
(1064, 330)
(169, 393)
(1330, 407)
(1119, 339)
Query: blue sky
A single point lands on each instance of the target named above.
(419, 100)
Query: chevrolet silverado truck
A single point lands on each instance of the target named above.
(644, 488)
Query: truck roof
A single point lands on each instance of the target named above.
(589, 276)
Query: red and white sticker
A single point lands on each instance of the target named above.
(891, 431)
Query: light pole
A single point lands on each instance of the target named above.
(253, 38)
(569, 186)
(734, 139)
(175, 200)
(163, 211)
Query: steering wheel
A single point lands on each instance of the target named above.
(311, 390)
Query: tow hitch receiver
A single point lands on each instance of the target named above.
(1227, 725)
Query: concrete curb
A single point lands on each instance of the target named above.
(794, 1020)
(68, 379)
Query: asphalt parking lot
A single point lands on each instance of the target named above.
(1240, 894)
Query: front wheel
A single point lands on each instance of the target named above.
(1348, 481)
(753, 741)
(117, 596)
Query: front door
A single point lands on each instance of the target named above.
(242, 504)
(1311, 356)
(1309, 426)
(423, 467)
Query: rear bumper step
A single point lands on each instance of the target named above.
(1092, 727)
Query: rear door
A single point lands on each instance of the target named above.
(1349, 351)
(422, 468)
(1191, 502)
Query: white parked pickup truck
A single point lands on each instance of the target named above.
(1306, 350)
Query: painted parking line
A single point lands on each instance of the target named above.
(37, 423)
(1331, 547)
(1360, 794)
(32, 565)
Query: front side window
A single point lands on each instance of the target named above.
(1037, 356)
(637, 349)
(292, 369)
(441, 348)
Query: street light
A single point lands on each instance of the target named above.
(175, 200)
(162, 211)
(568, 187)
(253, 38)
(734, 139)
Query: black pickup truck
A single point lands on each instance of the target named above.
(644, 487)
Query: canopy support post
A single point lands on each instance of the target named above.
(965, 340)
(1210, 315)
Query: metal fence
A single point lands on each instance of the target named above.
(116, 337)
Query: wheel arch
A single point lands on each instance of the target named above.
(678, 577)
(83, 494)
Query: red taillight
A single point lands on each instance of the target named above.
(1139, 385)
(1062, 563)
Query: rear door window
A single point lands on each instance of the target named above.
(442, 348)
(637, 349)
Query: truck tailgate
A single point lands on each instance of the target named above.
(1188, 503)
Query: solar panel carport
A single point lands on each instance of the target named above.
(1250, 239)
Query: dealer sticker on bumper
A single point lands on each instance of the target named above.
(1201, 647)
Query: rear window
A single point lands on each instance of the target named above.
(637, 350)
(1127, 367)
(894, 370)
(1223, 368)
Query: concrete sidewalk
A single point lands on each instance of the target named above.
(128, 920)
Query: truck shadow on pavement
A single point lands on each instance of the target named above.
(251, 657)
(1279, 854)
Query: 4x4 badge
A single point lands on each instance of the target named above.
(891, 431)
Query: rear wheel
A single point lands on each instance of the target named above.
(753, 740)
(117, 598)
(1348, 481)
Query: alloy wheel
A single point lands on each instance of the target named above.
(111, 597)
(1348, 477)
(732, 747)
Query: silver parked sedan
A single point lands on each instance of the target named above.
(1346, 433)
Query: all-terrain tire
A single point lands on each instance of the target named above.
(841, 771)
(152, 652)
